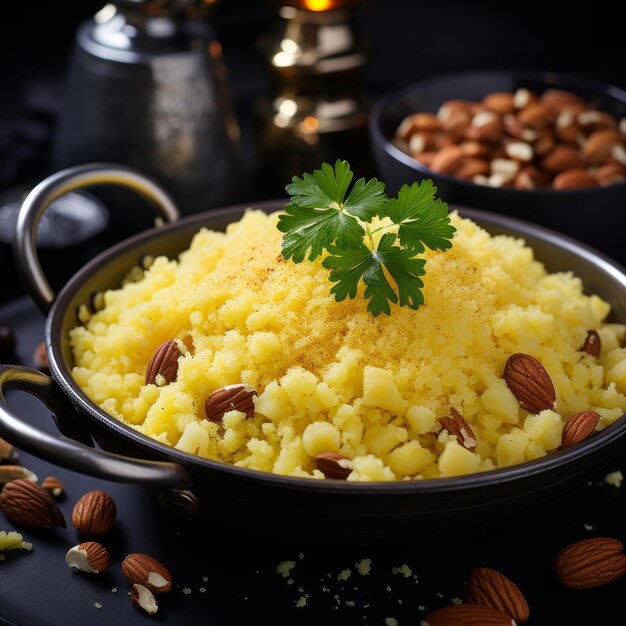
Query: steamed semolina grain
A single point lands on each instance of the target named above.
(330, 377)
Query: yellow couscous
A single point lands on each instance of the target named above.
(332, 378)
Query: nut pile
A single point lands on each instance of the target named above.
(522, 140)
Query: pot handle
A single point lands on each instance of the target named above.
(170, 478)
(60, 183)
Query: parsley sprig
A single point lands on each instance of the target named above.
(323, 217)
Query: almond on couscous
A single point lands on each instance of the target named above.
(326, 376)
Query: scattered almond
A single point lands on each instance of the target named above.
(163, 365)
(94, 513)
(230, 398)
(89, 557)
(456, 425)
(530, 383)
(53, 486)
(142, 599)
(145, 570)
(491, 588)
(590, 563)
(467, 615)
(333, 465)
(25, 502)
(13, 472)
(579, 427)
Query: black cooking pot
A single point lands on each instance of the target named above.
(290, 506)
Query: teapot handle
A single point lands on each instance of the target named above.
(60, 183)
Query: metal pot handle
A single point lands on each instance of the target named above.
(170, 478)
(51, 188)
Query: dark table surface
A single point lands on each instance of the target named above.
(228, 576)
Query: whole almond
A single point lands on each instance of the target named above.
(467, 615)
(611, 173)
(475, 149)
(530, 383)
(535, 115)
(163, 363)
(579, 427)
(485, 126)
(591, 121)
(333, 465)
(598, 147)
(544, 144)
(563, 157)
(456, 425)
(529, 177)
(230, 398)
(25, 502)
(471, 167)
(456, 123)
(94, 513)
(89, 557)
(590, 563)
(592, 344)
(559, 99)
(425, 158)
(567, 128)
(500, 102)
(447, 160)
(574, 179)
(142, 569)
(489, 587)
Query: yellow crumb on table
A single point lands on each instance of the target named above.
(13, 541)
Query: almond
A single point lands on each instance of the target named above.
(579, 427)
(13, 472)
(145, 570)
(456, 124)
(501, 102)
(590, 563)
(519, 150)
(535, 116)
(89, 557)
(485, 126)
(489, 587)
(7, 452)
(574, 179)
(53, 486)
(566, 127)
(559, 99)
(592, 344)
(230, 398)
(530, 383)
(467, 615)
(94, 513)
(561, 158)
(142, 598)
(163, 365)
(475, 149)
(25, 502)
(471, 167)
(425, 158)
(417, 121)
(592, 120)
(447, 160)
(456, 425)
(598, 147)
(333, 465)
(523, 97)
(529, 177)
(544, 144)
(611, 173)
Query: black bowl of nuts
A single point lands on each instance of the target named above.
(543, 147)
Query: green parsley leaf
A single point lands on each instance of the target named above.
(422, 220)
(348, 266)
(320, 218)
(320, 214)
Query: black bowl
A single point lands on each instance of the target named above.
(590, 215)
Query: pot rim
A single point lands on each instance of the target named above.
(61, 372)
(554, 80)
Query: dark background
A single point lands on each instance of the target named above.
(407, 41)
